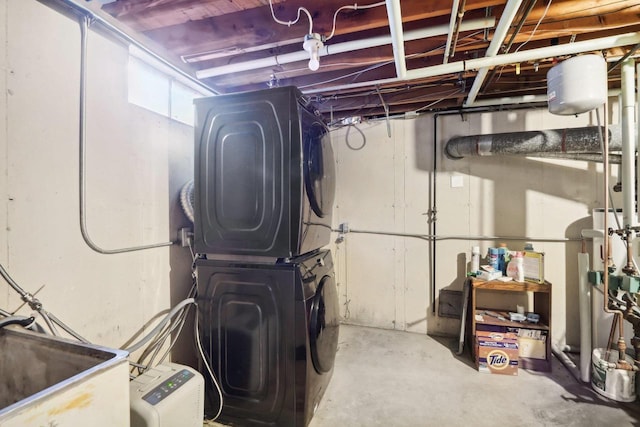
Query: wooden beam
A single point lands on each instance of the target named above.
(256, 26)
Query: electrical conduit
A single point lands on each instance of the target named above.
(84, 28)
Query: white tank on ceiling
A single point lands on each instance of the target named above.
(577, 85)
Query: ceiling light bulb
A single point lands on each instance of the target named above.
(314, 63)
(313, 44)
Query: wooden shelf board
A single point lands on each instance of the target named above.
(490, 320)
(498, 285)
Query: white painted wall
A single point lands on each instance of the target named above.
(385, 281)
(136, 163)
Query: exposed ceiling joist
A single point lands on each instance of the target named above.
(217, 35)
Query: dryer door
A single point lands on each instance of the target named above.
(319, 173)
(324, 325)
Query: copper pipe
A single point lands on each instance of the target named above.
(622, 346)
(612, 333)
(629, 268)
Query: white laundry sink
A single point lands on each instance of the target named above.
(49, 381)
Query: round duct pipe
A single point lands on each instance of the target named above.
(541, 143)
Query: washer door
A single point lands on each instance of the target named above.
(319, 173)
(324, 325)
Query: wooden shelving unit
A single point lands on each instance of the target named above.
(541, 305)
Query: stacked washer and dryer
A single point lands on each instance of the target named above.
(267, 299)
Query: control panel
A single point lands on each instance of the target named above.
(167, 395)
(167, 387)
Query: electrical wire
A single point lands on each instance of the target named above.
(352, 7)
(346, 138)
(206, 364)
(528, 40)
(175, 310)
(290, 23)
(439, 100)
(178, 324)
(536, 27)
(358, 73)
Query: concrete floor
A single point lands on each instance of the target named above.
(390, 378)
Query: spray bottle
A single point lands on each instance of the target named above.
(475, 259)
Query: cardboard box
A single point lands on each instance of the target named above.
(532, 343)
(497, 353)
(533, 263)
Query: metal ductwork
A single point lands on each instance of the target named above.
(573, 143)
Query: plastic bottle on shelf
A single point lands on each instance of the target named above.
(515, 269)
(503, 258)
(475, 259)
(494, 260)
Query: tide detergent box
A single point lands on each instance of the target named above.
(497, 352)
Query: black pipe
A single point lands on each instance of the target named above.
(433, 205)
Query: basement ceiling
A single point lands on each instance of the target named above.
(394, 57)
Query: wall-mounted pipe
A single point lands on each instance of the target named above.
(82, 149)
(332, 49)
(563, 141)
(584, 300)
(81, 8)
(628, 144)
(607, 242)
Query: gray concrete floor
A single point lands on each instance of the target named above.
(390, 378)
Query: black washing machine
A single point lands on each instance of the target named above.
(264, 175)
(270, 333)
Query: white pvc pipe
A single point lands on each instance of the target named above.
(394, 14)
(452, 24)
(584, 300)
(509, 58)
(508, 15)
(628, 143)
(475, 24)
(524, 99)
(637, 124)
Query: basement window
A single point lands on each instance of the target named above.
(153, 87)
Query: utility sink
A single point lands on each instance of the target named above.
(50, 381)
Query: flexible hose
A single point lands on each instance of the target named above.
(16, 320)
(12, 282)
(67, 329)
(160, 325)
(209, 370)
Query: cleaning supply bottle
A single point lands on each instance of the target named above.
(494, 260)
(503, 258)
(515, 269)
(475, 259)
